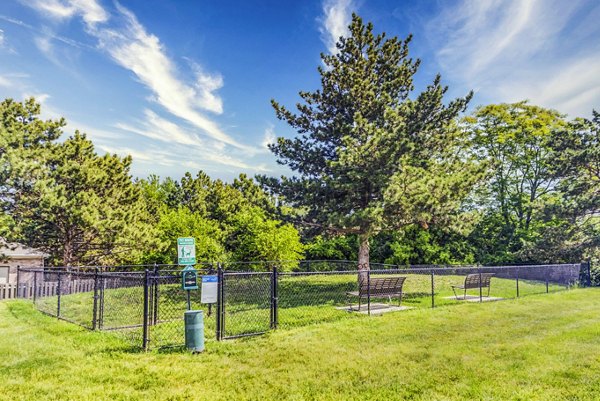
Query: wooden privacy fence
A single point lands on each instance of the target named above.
(8, 291)
(45, 289)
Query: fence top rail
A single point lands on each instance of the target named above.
(423, 270)
(375, 268)
(249, 273)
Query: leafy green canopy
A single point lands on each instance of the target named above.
(231, 222)
(369, 154)
(62, 197)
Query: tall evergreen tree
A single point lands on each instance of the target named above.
(64, 198)
(370, 154)
(85, 209)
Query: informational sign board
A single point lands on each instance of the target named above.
(189, 279)
(209, 289)
(186, 251)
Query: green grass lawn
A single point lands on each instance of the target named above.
(542, 347)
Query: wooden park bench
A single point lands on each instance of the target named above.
(381, 287)
(472, 281)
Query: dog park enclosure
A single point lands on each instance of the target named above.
(146, 303)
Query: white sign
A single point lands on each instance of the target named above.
(186, 251)
(210, 285)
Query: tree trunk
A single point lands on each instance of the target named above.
(363, 252)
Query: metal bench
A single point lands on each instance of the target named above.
(473, 281)
(381, 287)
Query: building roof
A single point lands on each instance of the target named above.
(15, 250)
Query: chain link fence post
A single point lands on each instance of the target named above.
(18, 281)
(145, 317)
(517, 279)
(58, 294)
(432, 290)
(219, 316)
(34, 286)
(95, 308)
(369, 292)
(274, 306)
(480, 285)
(155, 295)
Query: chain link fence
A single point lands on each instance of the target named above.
(145, 304)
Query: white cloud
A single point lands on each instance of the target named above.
(132, 47)
(573, 89)
(44, 45)
(2, 40)
(510, 50)
(5, 82)
(156, 127)
(89, 10)
(337, 15)
(269, 136)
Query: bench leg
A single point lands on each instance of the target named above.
(349, 301)
(454, 291)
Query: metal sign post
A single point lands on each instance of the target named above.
(189, 281)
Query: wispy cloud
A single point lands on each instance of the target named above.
(128, 43)
(158, 128)
(269, 136)
(4, 46)
(89, 10)
(5, 82)
(509, 50)
(336, 17)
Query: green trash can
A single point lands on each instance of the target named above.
(194, 330)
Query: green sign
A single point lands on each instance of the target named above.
(189, 278)
(186, 251)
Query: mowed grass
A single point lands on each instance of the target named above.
(542, 347)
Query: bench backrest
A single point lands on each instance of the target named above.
(381, 285)
(472, 280)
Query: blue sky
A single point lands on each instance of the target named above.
(186, 85)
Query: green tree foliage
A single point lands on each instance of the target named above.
(570, 228)
(231, 222)
(24, 140)
(370, 154)
(182, 222)
(341, 247)
(255, 237)
(516, 142)
(64, 198)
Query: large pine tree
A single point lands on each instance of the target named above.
(370, 154)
